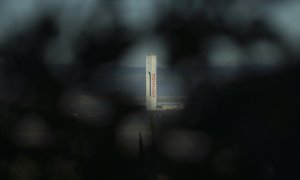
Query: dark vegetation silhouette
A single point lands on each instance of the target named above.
(252, 118)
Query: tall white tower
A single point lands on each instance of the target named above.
(151, 85)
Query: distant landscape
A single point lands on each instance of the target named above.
(132, 81)
(162, 99)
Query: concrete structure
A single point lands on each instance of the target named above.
(151, 85)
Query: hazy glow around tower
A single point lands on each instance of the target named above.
(135, 56)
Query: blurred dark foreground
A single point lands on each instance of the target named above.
(62, 117)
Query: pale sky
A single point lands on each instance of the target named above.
(136, 55)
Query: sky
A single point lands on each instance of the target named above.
(136, 55)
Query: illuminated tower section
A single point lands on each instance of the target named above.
(151, 85)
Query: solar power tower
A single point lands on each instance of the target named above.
(151, 85)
